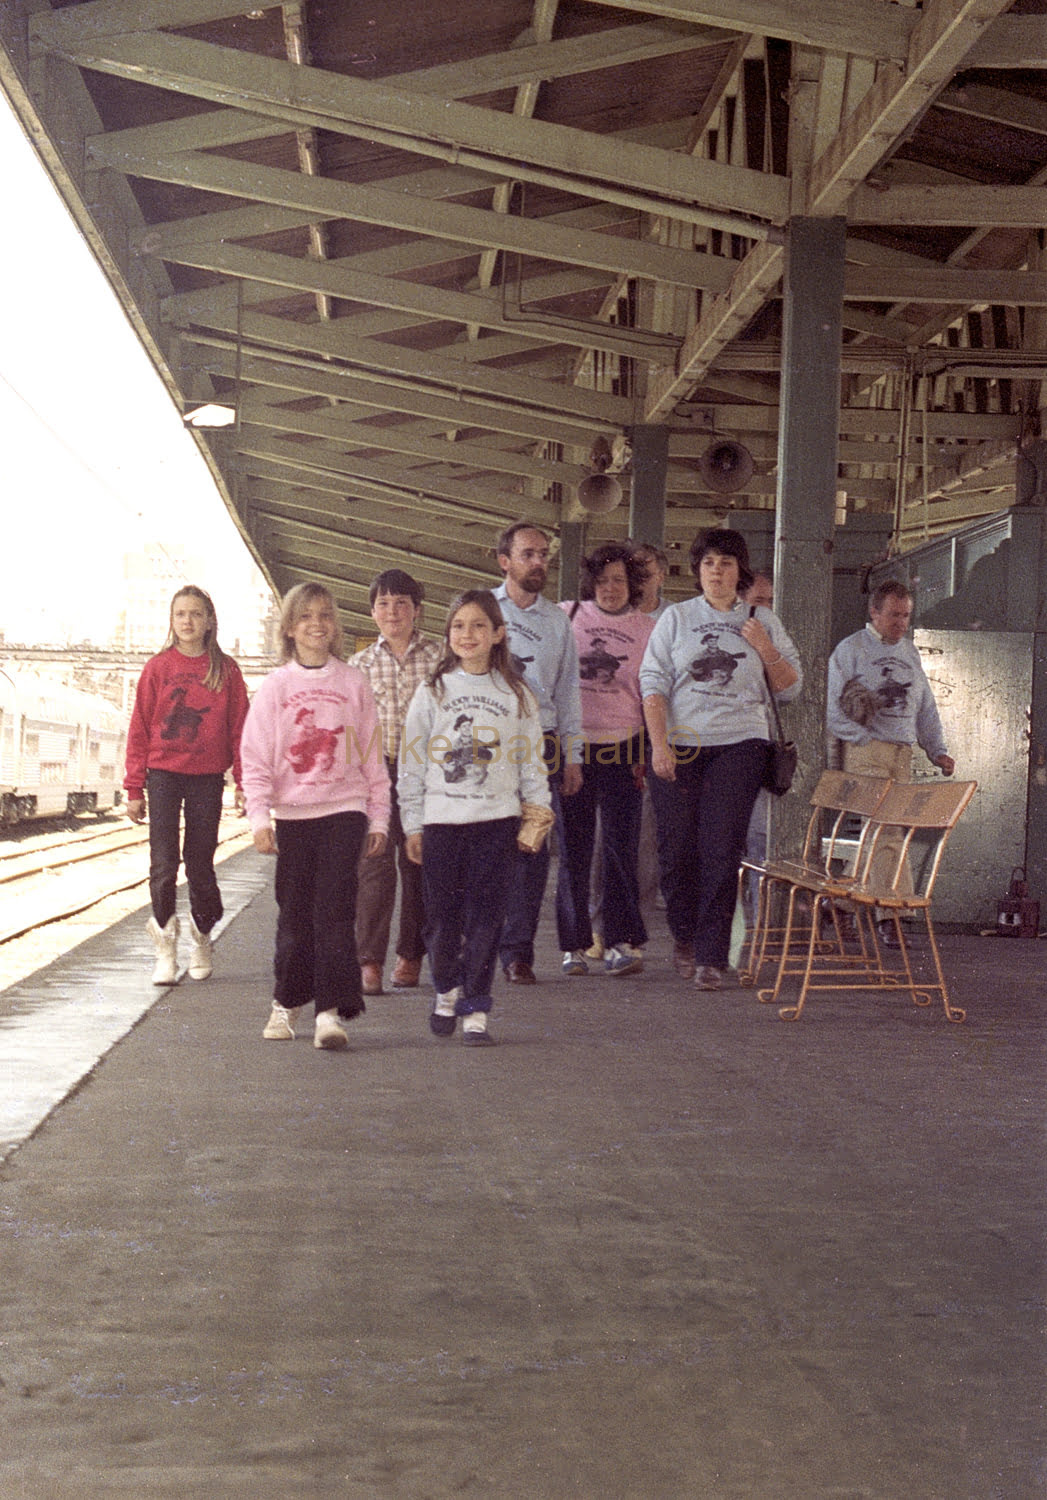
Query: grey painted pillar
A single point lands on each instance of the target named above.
(807, 483)
(572, 550)
(650, 446)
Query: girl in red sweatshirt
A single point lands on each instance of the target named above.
(184, 734)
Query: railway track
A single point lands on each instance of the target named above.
(68, 877)
(24, 864)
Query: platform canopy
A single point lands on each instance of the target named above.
(427, 254)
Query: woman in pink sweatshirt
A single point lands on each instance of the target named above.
(312, 761)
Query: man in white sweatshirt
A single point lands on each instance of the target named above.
(880, 704)
(542, 641)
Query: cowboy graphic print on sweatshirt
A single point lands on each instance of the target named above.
(312, 747)
(470, 756)
(180, 725)
(711, 678)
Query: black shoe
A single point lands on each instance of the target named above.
(442, 1025)
(477, 1039)
(519, 973)
(888, 935)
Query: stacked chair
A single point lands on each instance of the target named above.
(831, 878)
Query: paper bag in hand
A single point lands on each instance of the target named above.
(535, 823)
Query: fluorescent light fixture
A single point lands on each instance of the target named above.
(210, 415)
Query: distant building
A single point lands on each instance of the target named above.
(248, 612)
(151, 577)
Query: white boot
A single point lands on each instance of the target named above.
(165, 941)
(330, 1034)
(200, 955)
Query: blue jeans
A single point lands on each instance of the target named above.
(529, 876)
(610, 785)
(466, 870)
(703, 818)
(316, 863)
(168, 794)
(756, 850)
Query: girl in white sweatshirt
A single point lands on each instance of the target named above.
(312, 759)
(470, 763)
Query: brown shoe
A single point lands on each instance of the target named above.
(519, 973)
(371, 978)
(406, 974)
(683, 960)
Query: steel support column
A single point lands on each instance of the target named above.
(572, 549)
(650, 444)
(807, 483)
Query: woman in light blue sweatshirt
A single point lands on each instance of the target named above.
(704, 680)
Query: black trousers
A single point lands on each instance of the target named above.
(703, 817)
(170, 793)
(316, 860)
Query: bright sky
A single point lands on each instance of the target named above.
(96, 460)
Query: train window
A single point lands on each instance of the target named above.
(32, 744)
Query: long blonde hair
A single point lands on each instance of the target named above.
(296, 602)
(219, 662)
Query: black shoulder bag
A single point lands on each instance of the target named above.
(782, 755)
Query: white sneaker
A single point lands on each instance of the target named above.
(623, 960)
(280, 1025)
(330, 1034)
(165, 941)
(475, 1032)
(200, 953)
(574, 963)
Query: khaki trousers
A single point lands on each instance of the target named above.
(881, 758)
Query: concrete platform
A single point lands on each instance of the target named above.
(655, 1245)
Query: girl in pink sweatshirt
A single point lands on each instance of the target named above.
(312, 761)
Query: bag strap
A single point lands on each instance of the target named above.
(770, 694)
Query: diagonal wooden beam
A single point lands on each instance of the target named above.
(944, 33)
(364, 400)
(449, 221)
(329, 423)
(940, 38)
(966, 204)
(947, 284)
(866, 29)
(307, 96)
(323, 458)
(432, 371)
(265, 270)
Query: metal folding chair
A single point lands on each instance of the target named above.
(839, 797)
(930, 810)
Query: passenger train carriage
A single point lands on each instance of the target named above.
(61, 750)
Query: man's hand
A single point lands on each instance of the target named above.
(374, 845)
(572, 780)
(413, 846)
(947, 764)
(265, 840)
(136, 810)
